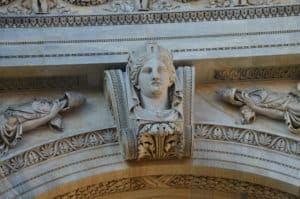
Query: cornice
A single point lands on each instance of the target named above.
(148, 38)
(216, 14)
(177, 50)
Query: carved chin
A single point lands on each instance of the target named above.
(156, 92)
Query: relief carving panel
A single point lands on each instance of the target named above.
(32, 7)
(231, 3)
(19, 118)
(177, 16)
(275, 105)
(58, 7)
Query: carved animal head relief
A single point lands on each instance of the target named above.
(147, 104)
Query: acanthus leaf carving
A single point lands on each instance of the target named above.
(247, 136)
(235, 13)
(160, 141)
(56, 148)
(31, 157)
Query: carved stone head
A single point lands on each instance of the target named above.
(151, 72)
(147, 103)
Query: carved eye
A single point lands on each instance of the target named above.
(162, 69)
(147, 70)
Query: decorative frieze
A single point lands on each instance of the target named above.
(145, 5)
(235, 13)
(32, 7)
(258, 73)
(231, 3)
(190, 182)
(87, 2)
(247, 136)
(57, 148)
(109, 136)
(38, 83)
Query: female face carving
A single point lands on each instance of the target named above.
(154, 78)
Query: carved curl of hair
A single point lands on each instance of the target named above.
(137, 59)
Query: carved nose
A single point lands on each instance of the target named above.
(155, 75)
(155, 78)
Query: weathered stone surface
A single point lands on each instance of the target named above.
(242, 44)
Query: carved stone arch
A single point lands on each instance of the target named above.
(96, 168)
(165, 181)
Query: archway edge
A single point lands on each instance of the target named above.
(165, 169)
